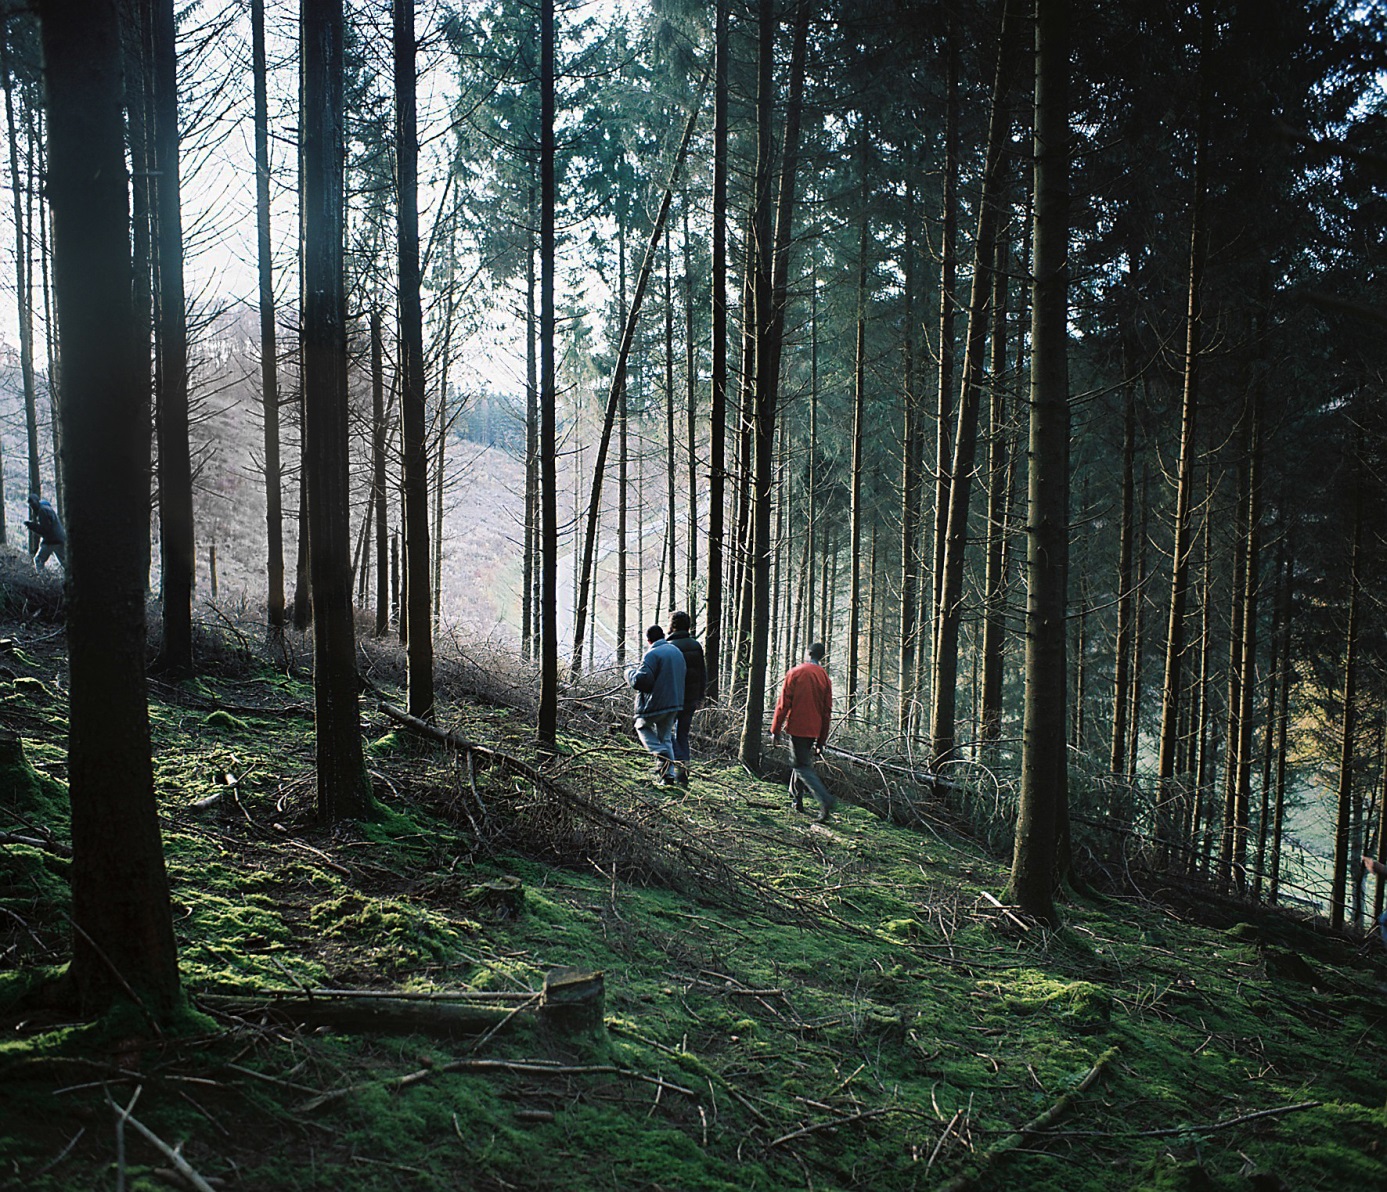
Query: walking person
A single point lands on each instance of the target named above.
(659, 684)
(45, 523)
(803, 711)
(695, 684)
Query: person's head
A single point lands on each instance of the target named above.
(680, 622)
(654, 634)
(34, 500)
(815, 653)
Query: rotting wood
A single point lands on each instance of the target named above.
(1008, 911)
(574, 1000)
(387, 1016)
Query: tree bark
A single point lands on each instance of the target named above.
(717, 411)
(998, 511)
(1348, 723)
(1041, 812)
(269, 350)
(772, 281)
(379, 439)
(344, 790)
(859, 419)
(171, 346)
(949, 587)
(619, 381)
(23, 269)
(1167, 794)
(123, 927)
(419, 648)
(547, 721)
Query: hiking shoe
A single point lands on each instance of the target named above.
(822, 816)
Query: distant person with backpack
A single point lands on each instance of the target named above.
(1373, 865)
(803, 710)
(695, 684)
(44, 521)
(659, 684)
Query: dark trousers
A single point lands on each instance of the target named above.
(681, 734)
(803, 774)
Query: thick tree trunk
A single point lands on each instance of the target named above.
(419, 654)
(171, 345)
(123, 928)
(344, 791)
(772, 282)
(269, 350)
(1041, 814)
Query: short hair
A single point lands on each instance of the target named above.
(654, 634)
(816, 651)
(680, 621)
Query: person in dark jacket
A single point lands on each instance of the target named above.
(804, 710)
(695, 684)
(659, 684)
(44, 521)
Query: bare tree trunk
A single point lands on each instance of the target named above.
(344, 791)
(171, 344)
(948, 308)
(269, 350)
(1167, 795)
(1041, 812)
(123, 937)
(671, 551)
(771, 288)
(998, 493)
(378, 444)
(619, 380)
(528, 620)
(419, 655)
(949, 587)
(23, 268)
(1348, 727)
(1126, 592)
(912, 452)
(691, 422)
(859, 417)
(717, 412)
(547, 721)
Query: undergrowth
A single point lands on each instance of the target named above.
(787, 1005)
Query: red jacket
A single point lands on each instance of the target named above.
(805, 704)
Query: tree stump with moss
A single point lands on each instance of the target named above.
(574, 1001)
(504, 896)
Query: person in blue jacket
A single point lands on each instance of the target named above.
(45, 523)
(695, 687)
(659, 684)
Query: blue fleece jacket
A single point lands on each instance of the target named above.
(659, 680)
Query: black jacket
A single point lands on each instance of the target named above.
(695, 672)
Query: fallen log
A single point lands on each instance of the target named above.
(367, 1015)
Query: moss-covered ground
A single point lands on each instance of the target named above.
(787, 1004)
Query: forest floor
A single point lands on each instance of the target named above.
(788, 1005)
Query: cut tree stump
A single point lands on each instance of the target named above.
(504, 896)
(574, 1001)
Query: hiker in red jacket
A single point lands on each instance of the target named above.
(803, 710)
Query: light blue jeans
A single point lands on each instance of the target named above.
(657, 733)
